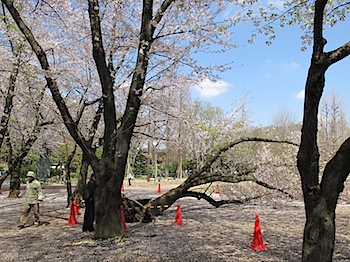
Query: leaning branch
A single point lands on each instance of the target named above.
(209, 177)
(261, 183)
(210, 200)
(222, 150)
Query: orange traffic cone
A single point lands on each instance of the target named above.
(122, 188)
(159, 188)
(76, 207)
(217, 189)
(258, 241)
(72, 219)
(122, 216)
(178, 218)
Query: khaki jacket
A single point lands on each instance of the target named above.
(34, 192)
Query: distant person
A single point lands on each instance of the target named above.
(159, 177)
(130, 177)
(33, 197)
(89, 215)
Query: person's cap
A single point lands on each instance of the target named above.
(30, 173)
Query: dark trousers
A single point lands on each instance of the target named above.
(89, 216)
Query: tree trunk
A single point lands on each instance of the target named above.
(3, 178)
(158, 205)
(78, 192)
(319, 233)
(15, 163)
(69, 188)
(108, 202)
(15, 183)
(321, 203)
(67, 171)
(8, 102)
(320, 198)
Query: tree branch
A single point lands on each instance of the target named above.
(222, 150)
(336, 172)
(211, 201)
(51, 82)
(160, 13)
(338, 54)
(106, 79)
(263, 184)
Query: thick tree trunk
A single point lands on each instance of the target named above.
(321, 203)
(320, 198)
(107, 203)
(158, 205)
(135, 211)
(319, 233)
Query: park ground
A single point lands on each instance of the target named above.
(208, 233)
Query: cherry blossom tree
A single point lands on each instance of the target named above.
(19, 146)
(321, 189)
(25, 111)
(156, 36)
(10, 72)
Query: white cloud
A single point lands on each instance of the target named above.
(290, 66)
(300, 95)
(208, 88)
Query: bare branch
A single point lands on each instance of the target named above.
(211, 201)
(261, 183)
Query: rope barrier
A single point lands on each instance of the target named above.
(148, 207)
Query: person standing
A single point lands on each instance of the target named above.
(33, 197)
(89, 215)
(130, 177)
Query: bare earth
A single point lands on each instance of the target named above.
(209, 233)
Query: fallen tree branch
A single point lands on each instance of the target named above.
(202, 176)
(222, 150)
(261, 183)
(210, 200)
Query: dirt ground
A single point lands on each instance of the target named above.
(208, 233)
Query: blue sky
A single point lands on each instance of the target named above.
(273, 77)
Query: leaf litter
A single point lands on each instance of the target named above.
(208, 233)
